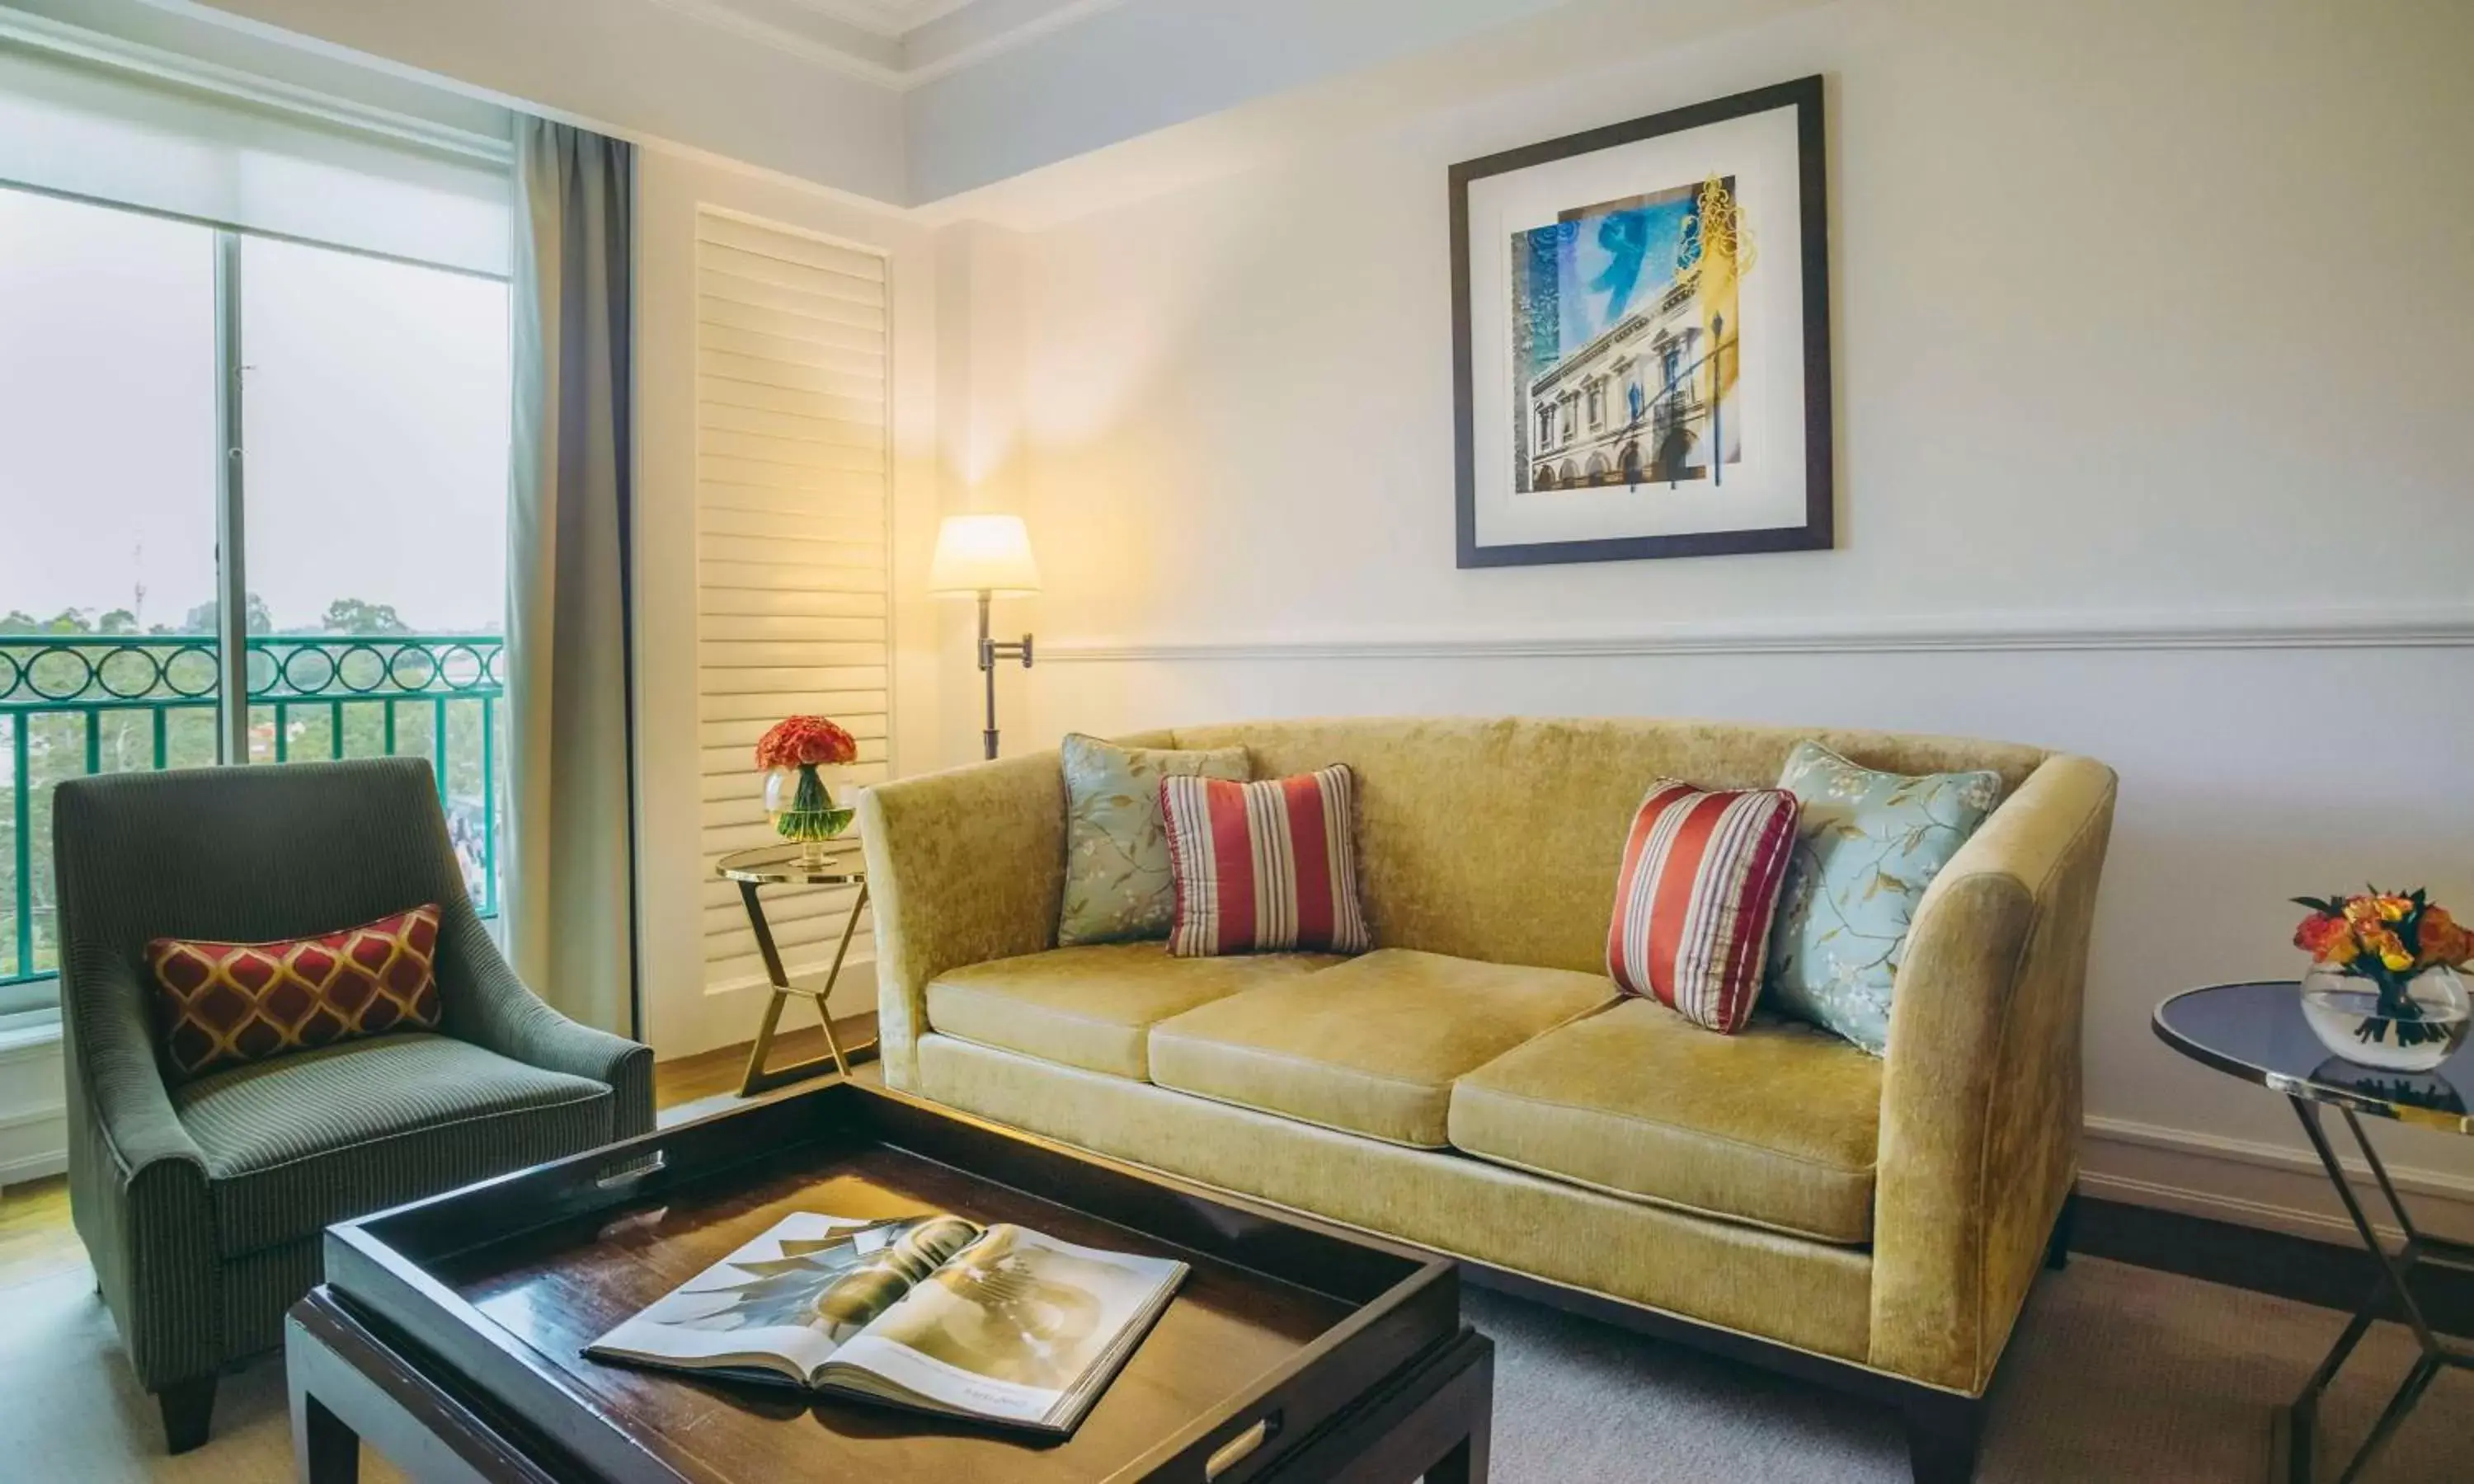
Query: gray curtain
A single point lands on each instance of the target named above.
(570, 864)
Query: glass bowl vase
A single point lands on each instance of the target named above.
(809, 807)
(2409, 1027)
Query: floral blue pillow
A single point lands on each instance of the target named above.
(1867, 844)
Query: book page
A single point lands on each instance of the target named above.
(795, 1293)
(1010, 1324)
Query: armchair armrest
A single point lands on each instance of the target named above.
(962, 867)
(1980, 1109)
(489, 1006)
(138, 1181)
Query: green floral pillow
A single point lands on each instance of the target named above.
(1117, 883)
(1867, 844)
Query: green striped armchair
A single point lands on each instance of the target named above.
(202, 1201)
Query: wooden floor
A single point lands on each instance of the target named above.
(37, 1239)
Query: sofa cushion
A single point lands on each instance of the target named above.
(225, 1004)
(1498, 838)
(1268, 865)
(1777, 1125)
(1371, 1047)
(1867, 844)
(1094, 1005)
(1117, 883)
(298, 1143)
(1700, 878)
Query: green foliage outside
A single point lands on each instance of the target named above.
(151, 724)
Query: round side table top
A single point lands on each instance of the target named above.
(778, 865)
(2256, 1032)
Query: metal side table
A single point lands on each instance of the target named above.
(779, 864)
(2256, 1032)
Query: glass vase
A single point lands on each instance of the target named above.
(2410, 1023)
(804, 808)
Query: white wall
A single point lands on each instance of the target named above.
(2153, 336)
(680, 1017)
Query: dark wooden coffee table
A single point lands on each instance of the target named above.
(449, 1334)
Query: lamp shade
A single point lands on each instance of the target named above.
(984, 554)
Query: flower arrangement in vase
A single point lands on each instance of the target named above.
(796, 794)
(2383, 989)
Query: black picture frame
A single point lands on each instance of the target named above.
(1804, 96)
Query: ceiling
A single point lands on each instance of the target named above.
(894, 43)
(921, 103)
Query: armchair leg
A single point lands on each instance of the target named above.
(2057, 1252)
(1943, 1431)
(188, 1408)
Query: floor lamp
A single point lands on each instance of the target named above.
(987, 557)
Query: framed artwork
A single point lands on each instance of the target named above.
(1641, 324)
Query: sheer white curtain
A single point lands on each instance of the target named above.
(570, 864)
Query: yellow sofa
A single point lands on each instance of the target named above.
(1475, 1085)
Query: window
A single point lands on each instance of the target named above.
(376, 406)
(1597, 403)
(350, 585)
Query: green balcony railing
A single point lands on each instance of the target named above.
(73, 704)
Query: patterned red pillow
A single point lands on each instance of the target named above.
(1700, 881)
(222, 1004)
(1264, 867)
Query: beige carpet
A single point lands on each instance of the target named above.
(2120, 1373)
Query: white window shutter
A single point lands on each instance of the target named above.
(793, 489)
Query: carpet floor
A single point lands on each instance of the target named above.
(2118, 1374)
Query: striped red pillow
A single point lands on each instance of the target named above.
(1264, 867)
(1700, 881)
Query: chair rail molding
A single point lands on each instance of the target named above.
(2433, 626)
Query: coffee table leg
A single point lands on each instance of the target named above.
(324, 1449)
(1466, 1463)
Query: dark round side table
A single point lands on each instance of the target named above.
(2256, 1032)
(781, 865)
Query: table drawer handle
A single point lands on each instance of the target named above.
(1237, 1450)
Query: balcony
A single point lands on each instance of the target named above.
(73, 704)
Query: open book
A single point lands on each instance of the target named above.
(933, 1312)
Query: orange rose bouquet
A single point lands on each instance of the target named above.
(803, 806)
(2384, 963)
(806, 742)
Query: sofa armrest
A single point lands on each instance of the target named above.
(963, 866)
(138, 1181)
(1981, 1095)
(488, 1005)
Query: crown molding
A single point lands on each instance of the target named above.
(2450, 627)
(44, 34)
(884, 17)
(722, 16)
(971, 53)
(900, 23)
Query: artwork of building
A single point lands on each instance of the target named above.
(1634, 405)
(1625, 352)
